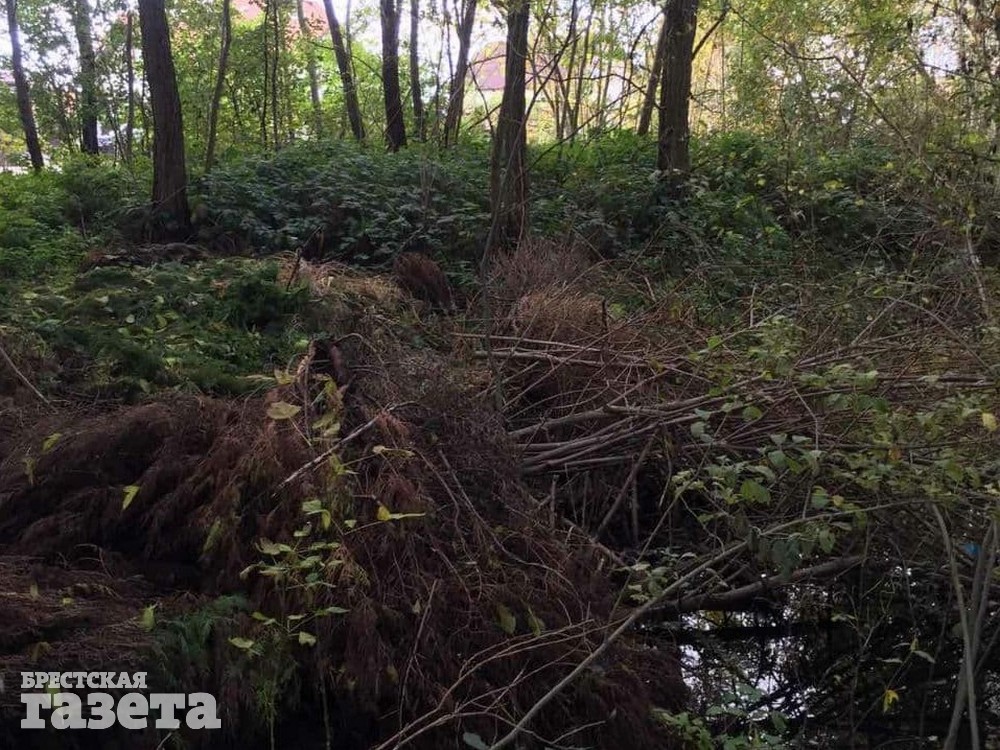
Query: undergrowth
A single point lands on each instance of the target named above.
(123, 331)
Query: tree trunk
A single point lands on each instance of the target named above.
(276, 31)
(130, 81)
(508, 164)
(395, 127)
(169, 171)
(22, 91)
(346, 77)
(583, 75)
(307, 39)
(565, 81)
(220, 83)
(83, 26)
(418, 102)
(456, 93)
(673, 154)
(652, 86)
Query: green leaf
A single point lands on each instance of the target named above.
(384, 514)
(507, 620)
(474, 741)
(536, 625)
(213, 536)
(752, 413)
(129, 495)
(244, 644)
(754, 492)
(271, 548)
(306, 639)
(282, 410)
(826, 540)
(820, 498)
(331, 610)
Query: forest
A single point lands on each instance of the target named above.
(528, 374)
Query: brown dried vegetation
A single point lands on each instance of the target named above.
(458, 618)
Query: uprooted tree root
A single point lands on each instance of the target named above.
(395, 586)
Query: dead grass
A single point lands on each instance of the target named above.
(464, 614)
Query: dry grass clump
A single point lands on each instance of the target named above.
(536, 265)
(337, 280)
(555, 314)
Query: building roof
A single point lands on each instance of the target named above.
(487, 69)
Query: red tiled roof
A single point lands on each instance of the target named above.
(314, 11)
(488, 67)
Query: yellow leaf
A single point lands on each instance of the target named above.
(282, 410)
(50, 441)
(888, 699)
(383, 514)
(148, 619)
(989, 421)
(536, 625)
(283, 377)
(130, 492)
(306, 639)
(895, 454)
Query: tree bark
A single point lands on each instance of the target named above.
(456, 93)
(276, 31)
(307, 38)
(673, 153)
(220, 83)
(83, 27)
(653, 85)
(508, 164)
(130, 82)
(395, 127)
(418, 101)
(169, 170)
(346, 76)
(22, 91)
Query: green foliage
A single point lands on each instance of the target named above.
(183, 647)
(132, 329)
(347, 202)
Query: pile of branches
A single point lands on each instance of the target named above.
(630, 426)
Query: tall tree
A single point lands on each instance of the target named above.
(220, 83)
(673, 152)
(456, 94)
(415, 93)
(169, 170)
(307, 39)
(346, 76)
(130, 85)
(395, 127)
(652, 85)
(83, 27)
(508, 162)
(21, 89)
